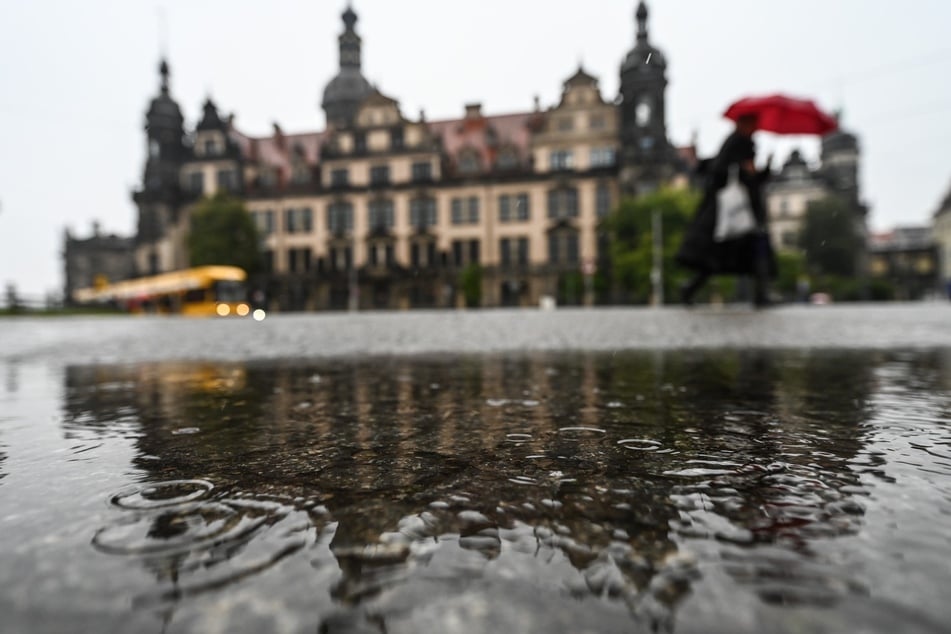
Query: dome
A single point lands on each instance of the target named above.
(348, 86)
(164, 113)
(644, 56)
(839, 141)
(344, 93)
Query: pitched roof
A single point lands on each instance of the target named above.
(486, 134)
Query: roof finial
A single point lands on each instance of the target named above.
(164, 72)
(641, 16)
(349, 17)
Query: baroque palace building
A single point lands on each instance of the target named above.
(381, 210)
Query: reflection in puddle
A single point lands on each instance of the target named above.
(534, 493)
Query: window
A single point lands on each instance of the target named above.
(563, 247)
(561, 160)
(227, 180)
(597, 122)
(196, 182)
(341, 258)
(465, 252)
(298, 220)
(300, 174)
(360, 142)
(422, 254)
(465, 211)
(521, 253)
(340, 177)
(264, 221)
(267, 177)
(507, 159)
(267, 261)
(422, 212)
(473, 208)
(381, 214)
(396, 139)
(380, 175)
(211, 148)
(565, 124)
(513, 251)
(154, 149)
(469, 162)
(339, 217)
(422, 172)
(299, 260)
(602, 157)
(602, 200)
(563, 203)
(513, 208)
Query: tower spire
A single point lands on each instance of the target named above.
(164, 72)
(641, 15)
(349, 40)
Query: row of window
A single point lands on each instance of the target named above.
(381, 214)
(562, 249)
(567, 123)
(420, 172)
(227, 180)
(565, 159)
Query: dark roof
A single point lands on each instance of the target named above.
(644, 55)
(163, 111)
(210, 119)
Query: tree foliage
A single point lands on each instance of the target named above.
(829, 237)
(470, 281)
(223, 232)
(632, 246)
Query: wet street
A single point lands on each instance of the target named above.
(500, 471)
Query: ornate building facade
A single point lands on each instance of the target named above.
(384, 210)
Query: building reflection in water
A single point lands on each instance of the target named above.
(418, 476)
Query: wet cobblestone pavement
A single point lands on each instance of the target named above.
(358, 474)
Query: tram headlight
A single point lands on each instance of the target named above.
(242, 310)
(223, 310)
(258, 315)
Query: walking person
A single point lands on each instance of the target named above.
(750, 254)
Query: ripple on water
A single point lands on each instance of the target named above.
(161, 494)
(209, 543)
(640, 444)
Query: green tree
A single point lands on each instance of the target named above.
(632, 246)
(470, 281)
(829, 237)
(222, 232)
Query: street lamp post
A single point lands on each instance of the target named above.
(657, 271)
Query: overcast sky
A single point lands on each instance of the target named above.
(77, 77)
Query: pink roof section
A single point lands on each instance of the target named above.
(278, 149)
(510, 130)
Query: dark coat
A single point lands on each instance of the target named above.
(699, 250)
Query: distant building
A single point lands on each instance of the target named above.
(942, 237)
(384, 210)
(906, 257)
(95, 260)
(796, 185)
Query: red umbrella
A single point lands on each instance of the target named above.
(783, 115)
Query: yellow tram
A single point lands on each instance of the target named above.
(203, 291)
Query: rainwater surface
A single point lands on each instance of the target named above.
(718, 490)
